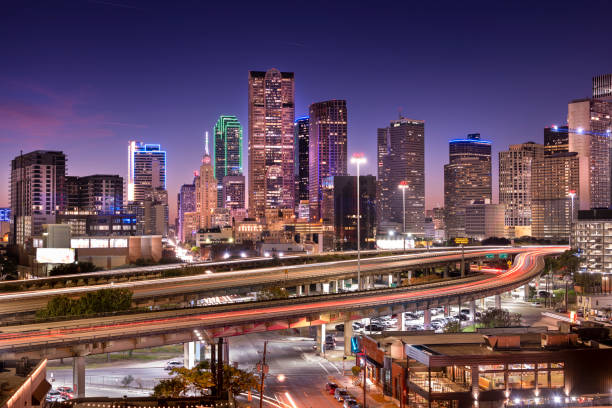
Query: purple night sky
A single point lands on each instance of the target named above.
(87, 76)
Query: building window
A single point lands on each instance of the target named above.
(557, 379)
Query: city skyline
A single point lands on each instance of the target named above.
(72, 115)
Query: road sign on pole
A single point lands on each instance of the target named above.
(490, 256)
(503, 256)
(463, 241)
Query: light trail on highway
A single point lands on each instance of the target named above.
(525, 266)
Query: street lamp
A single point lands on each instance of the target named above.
(572, 194)
(358, 159)
(403, 186)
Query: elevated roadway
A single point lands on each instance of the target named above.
(102, 335)
(184, 290)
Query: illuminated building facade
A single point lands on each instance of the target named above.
(271, 146)
(552, 179)
(186, 204)
(602, 87)
(592, 236)
(590, 124)
(227, 152)
(467, 177)
(556, 140)
(401, 157)
(301, 152)
(206, 192)
(38, 192)
(146, 169)
(100, 194)
(327, 149)
(515, 167)
(233, 192)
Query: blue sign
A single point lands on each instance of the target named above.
(354, 345)
(5, 214)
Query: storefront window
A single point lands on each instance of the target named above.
(491, 367)
(542, 366)
(491, 381)
(557, 365)
(542, 379)
(514, 366)
(514, 380)
(528, 380)
(557, 379)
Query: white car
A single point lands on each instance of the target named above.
(173, 364)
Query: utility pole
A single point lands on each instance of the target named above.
(263, 374)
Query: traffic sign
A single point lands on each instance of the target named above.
(503, 256)
(461, 240)
(490, 256)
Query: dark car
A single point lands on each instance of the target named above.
(461, 316)
(340, 394)
(330, 342)
(374, 327)
(331, 387)
(340, 327)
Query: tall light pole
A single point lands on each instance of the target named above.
(403, 186)
(572, 194)
(358, 159)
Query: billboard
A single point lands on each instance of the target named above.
(55, 255)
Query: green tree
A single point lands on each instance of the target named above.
(275, 292)
(172, 387)
(453, 327)
(196, 380)
(500, 318)
(73, 269)
(100, 301)
(236, 380)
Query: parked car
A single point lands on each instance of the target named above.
(350, 403)
(461, 316)
(374, 327)
(173, 364)
(54, 396)
(341, 394)
(465, 311)
(66, 392)
(331, 387)
(410, 316)
(340, 327)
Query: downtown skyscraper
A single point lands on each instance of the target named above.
(227, 152)
(146, 169)
(401, 158)
(467, 179)
(327, 149)
(515, 172)
(589, 130)
(301, 163)
(271, 146)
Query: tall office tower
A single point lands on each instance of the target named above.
(186, 204)
(156, 212)
(38, 192)
(467, 177)
(327, 149)
(553, 178)
(515, 166)
(344, 193)
(233, 191)
(271, 114)
(228, 151)
(301, 148)
(99, 194)
(401, 157)
(206, 191)
(146, 169)
(602, 87)
(589, 122)
(556, 140)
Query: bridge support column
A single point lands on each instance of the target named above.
(473, 310)
(498, 301)
(320, 338)
(462, 269)
(318, 288)
(189, 354)
(427, 319)
(307, 289)
(325, 287)
(78, 376)
(348, 334)
(197, 347)
(447, 310)
(390, 279)
(410, 277)
(526, 292)
(298, 290)
(402, 321)
(446, 270)
(226, 351)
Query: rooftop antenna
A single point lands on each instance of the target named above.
(206, 144)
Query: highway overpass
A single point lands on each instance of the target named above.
(143, 330)
(182, 291)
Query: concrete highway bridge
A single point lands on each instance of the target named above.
(79, 338)
(327, 276)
